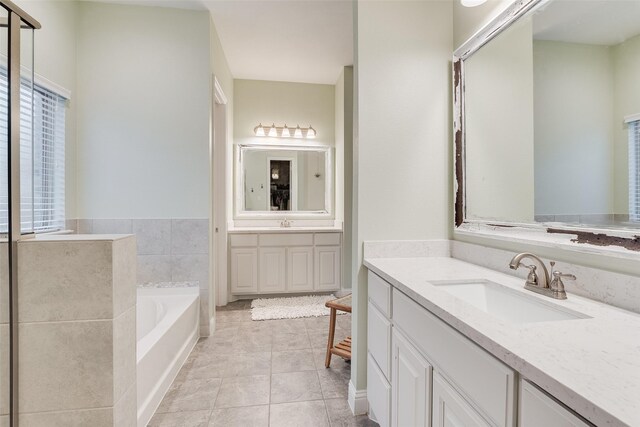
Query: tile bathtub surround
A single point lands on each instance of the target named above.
(619, 290)
(77, 330)
(268, 373)
(168, 250)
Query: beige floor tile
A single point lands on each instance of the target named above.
(248, 416)
(292, 361)
(243, 391)
(181, 419)
(334, 383)
(287, 341)
(233, 316)
(226, 365)
(340, 415)
(295, 387)
(299, 414)
(191, 395)
(337, 362)
(320, 323)
(284, 325)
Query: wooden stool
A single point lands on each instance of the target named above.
(343, 348)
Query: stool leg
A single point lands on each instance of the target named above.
(332, 331)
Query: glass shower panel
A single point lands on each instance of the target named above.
(26, 131)
(5, 344)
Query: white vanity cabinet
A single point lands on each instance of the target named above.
(537, 409)
(379, 350)
(422, 372)
(285, 262)
(438, 377)
(450, 409)
(411, 377)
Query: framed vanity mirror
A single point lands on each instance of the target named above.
(547, 120)
(284, 181)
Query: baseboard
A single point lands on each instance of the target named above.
(357, 400)
(212, 325)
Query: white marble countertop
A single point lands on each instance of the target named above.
(53, 237)
(591, 365)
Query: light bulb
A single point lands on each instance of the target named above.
(298, 132)
(472, 3)
(273, 131)
(259, 130)
(285, 132)
(311, 132)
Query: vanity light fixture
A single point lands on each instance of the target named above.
(311, 132)
(285, 131)
(472, 3)
(259, 130)
(275, 173)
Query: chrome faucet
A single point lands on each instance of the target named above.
(545, 284)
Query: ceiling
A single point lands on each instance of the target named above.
(596, 22)
(306, 41)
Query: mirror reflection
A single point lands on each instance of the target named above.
(552, 118)
(289, 180)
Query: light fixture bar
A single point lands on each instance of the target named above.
(285, 131)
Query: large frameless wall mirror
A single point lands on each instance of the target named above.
(289, 181)
(548, 116)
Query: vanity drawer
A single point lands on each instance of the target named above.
(327, 239)
(379, 339)
(246, 240)
(480, 377)
(380, 293)
(286, 239)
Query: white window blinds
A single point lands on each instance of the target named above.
(42, 169)
(634, 170)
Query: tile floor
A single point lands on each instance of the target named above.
(268, 373)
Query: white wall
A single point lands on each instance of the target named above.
(143, 112)
(573, 106)
(55, 60)
(269, 102)
(499, 128)
(401, 144)
(626, 60)
(344, 166)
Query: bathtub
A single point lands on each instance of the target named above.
(167, 330)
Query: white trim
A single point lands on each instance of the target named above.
(632, 118)
(51, 86)
(218, 92)
(293, 181)
(357, 400)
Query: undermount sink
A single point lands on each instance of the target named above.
(505, 303)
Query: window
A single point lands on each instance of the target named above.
(42, 169)
(634, 170)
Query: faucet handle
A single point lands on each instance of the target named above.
(557, 286)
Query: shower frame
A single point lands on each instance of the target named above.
(18, 19)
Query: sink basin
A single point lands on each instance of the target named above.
(505, 303)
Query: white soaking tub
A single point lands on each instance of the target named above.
(167, 330)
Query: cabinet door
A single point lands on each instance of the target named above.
(379, 339)
(300, 269)
(450, 409)
(244, 270)
(410, 385)
(538, 409)
(327, 268)
(272, 270)
(378, 394)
